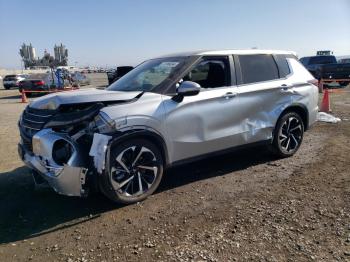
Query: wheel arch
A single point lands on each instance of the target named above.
(301, 110)
(147, 134)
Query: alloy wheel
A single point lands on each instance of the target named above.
(134, 171)
(290, 134)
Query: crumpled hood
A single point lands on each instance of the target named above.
(53, 101)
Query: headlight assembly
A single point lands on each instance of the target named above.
(104, 123)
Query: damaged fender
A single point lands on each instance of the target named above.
(98, 151)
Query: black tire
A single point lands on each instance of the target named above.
(288, 137)
(343, 84)
(139, 171)
(7, 87)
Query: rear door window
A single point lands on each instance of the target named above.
(258, 68)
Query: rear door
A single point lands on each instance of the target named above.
(203, 123)
(264, 92)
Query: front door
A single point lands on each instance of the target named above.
(203, 123)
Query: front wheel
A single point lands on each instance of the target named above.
(133, 172)
(288, 135)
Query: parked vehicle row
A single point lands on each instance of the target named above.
(41, 82)
(167, 111)
(90, 70)
(45, 81)
(80, 79)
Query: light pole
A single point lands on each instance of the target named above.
(22, 65)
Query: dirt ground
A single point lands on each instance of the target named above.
(243, 206)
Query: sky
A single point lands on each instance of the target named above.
(115, 32)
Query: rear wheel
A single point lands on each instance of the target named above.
(134, 172)
(289, 134)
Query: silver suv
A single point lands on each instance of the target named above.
(166, 111)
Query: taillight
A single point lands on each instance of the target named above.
(39, 83)
(313, 82)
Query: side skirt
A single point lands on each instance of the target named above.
(218, 153)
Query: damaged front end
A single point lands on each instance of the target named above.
(55, 144)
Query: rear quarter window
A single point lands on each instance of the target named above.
(283, 66)
(258, 68)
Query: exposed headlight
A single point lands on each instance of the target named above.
(62, 151)
(104, 123)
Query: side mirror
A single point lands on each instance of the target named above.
(188, 88)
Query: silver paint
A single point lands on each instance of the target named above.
(54, 100)
(215, 119)
(67, 179)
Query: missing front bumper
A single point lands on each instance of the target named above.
(67, 180)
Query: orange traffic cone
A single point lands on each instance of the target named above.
(325, 104)
(24, 97)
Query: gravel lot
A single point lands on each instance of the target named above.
(245, 206)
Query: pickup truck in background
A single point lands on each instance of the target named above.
(327, 67)
(344, 60)
(114, 75)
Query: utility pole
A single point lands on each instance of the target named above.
(22, 65)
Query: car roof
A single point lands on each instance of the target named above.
(228, 52)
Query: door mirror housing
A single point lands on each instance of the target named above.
(188, 88)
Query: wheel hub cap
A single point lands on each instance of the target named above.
(290, 134)
(134, 171)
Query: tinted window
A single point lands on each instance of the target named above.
(322, 60)
(257, 68)
(283, 66)
(210, 73)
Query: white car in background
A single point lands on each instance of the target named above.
(13, 80)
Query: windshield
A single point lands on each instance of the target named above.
(150, 75)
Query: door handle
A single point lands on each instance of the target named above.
(229, 95)
(285, 87)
